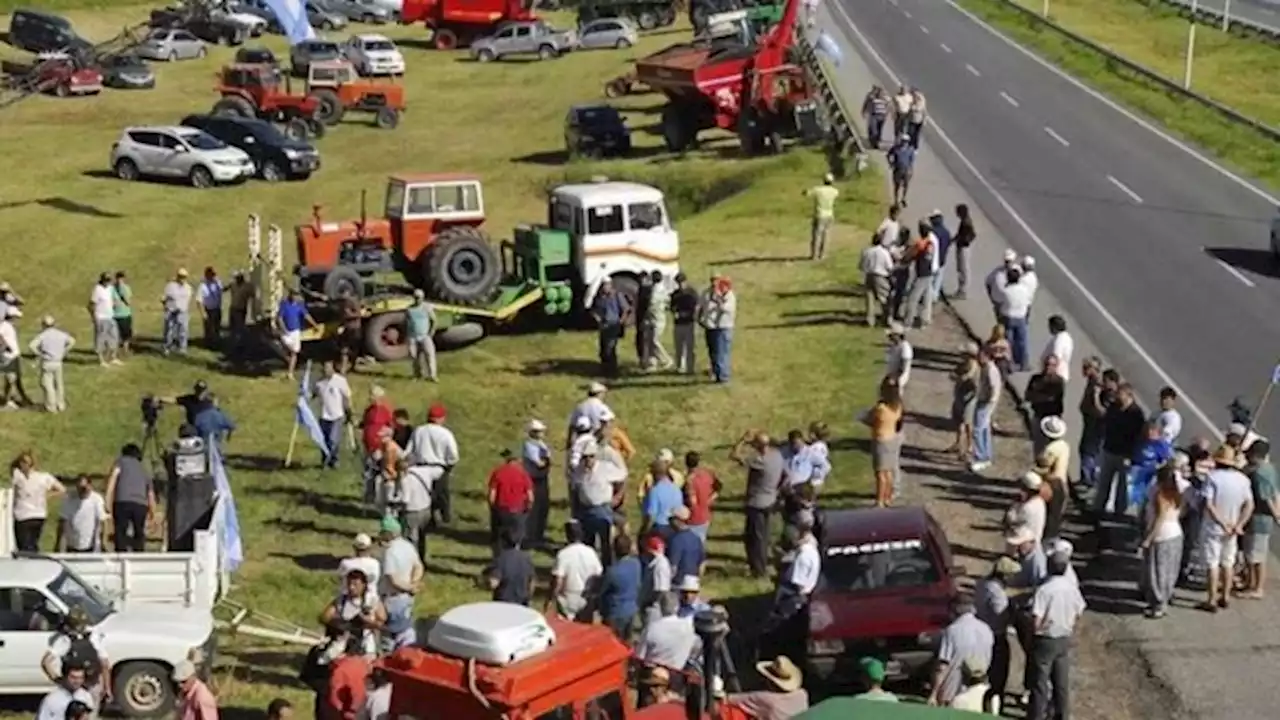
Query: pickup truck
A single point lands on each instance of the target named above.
(885, 591)
(524, 38)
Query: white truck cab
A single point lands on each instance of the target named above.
(623, 229)
(143, 642)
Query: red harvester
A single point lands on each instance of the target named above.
(758, 89)
(455, 23)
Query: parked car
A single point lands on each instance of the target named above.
(374, 55)
(885, 591)
(595, 130)
(322, 18)
(127, 72)
(608, 33)
(171, 44)
(217, 30)
(308, 51)
(365, 11)
(259, 9)
(277, 156)
(256, 56)
(52, 72)
(253, 24)
(524, 38)
(37, 32)
(178, 152)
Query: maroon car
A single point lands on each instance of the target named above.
(887, 582)
(55, 73)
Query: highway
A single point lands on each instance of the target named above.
(1259, 12)
(1161, 256)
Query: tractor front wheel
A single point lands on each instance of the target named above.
(330, 110)
(342, 280)
(387, 118)
(234, 106)
(296, 129)
(315, 127)
(677, 128)
(461, 266)
(386, 337)
(445, 40)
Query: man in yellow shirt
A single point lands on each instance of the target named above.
(824, 213)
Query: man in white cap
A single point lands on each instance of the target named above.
(997, 279)
(669, 640)
(536, 457)
(1030, 555)
(898, 356)
(11, 362)
(51, 347)
(877, 265)
(1030, 278)
(361, 559)
(1029, 510)
(595, 491)
(195, 699)
(592, 407)
(1227, 513)
(689, 588)
(421, 319)
(176, 302)
(824, 215)
(1063, 550)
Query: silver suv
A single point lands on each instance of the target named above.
(524, 38)
(178, 152)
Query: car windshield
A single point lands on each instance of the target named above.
(74, 592)
(380, 45)
(325, 50)
(201, 141)
(600, 116)
(131, 62)
(879, 565)
(158, 35)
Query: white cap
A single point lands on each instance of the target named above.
(828, 178)
(935, 213)
(362, 542)
(606, 415)
(47, 321)
(689, 583)
(1062, 548)
(596, 388)
(1237, 429)
(184, 671)
(1010, 256)
(418, 294)
(1028, 261)
(13, 312)
(377, 391)
(582, 423)
(896, 328)
(535, 425)
(665, 455)
(1032, 481)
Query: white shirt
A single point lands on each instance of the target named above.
(54, 706)
(370, 566)
(888, 231)
(415, 487)
(335, 397)
(1031, 513)
(1057, 601)
(1170, 422)
(10, 350)
(576, 450)
(902, 103)
(807, 566)
(177, 296)
(1061, 346)
(897, 362)
(103, 303)
(433, 444)
(593, 409)
(877, 261)
(996, 280)
(398, 561)
(1032, 279)
(31, 494)
(1015, 300)
(377, 704)
(1228, 490)
(85, 517)
(667, 642)
(576, 565)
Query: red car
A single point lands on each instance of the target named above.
(885, 591)
(54, 73)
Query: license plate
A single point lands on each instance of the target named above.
(893, 667)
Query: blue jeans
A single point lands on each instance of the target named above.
(1090, 450)
(701, 531)
(719, 346)
(332, 430)
(597, 525)
(982, 433)
(937, 282)
(875, 129)
(176, 326)
(1015, 329)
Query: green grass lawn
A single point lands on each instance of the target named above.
(1235, 72)
(799, 356)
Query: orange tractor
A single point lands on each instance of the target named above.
(430, 234)
(258, 90)
(339, 89)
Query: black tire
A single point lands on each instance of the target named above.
(444, 40)
(459, 336)
(385, 337)
(341, 279)
(751, 135)
(461, 266)
(200, 177)
(485, 55)
(647, 20)
(272, 172)
(316, 128)
(628, 287)
(62, 90)
(126, 169)
(677, 130)
(387, 118)
(143, 689)
(622, 44)
(547, 52)
(618, 87)
(297, 128)
(330, 110)
(235, 106)
(326, 24)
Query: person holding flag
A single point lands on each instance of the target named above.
(305, 418)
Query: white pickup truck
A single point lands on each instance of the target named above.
(153, 609)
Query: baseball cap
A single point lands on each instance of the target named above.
(362, 541)
(390, 525)
(873, 669)
(1010, 256)
(535, 425)
(596, 388)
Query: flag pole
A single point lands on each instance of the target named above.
(293, 436)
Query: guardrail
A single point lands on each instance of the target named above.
(1225, 20)
(1115, 60)
(844, 138)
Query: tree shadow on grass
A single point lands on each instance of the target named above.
(63, 204)
(317, 562)
(574, 367)
(557, 158)
(307, 526)
(255, 463)
(841, 292)
(759, 259)
(323, 503)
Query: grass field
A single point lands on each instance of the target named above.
(799, 355)
(1228, 69)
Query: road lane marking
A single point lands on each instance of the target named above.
(1118, 108)
(904, 12)
(1056, 136)
(972, 70)
(924, 30)
(1008, 98)
(1236, 273)
(1125, 189)
(1048, 252)
(945, 49)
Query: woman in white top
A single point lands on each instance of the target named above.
(31, 490)
(1030, 510)
(1162, 543)
(358, 611)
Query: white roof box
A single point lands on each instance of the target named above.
(491, 632)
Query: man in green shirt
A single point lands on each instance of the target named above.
(824, 214)
(1266, 503)
(874, 672)
(422, 347)
(122, 310)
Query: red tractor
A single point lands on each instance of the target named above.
(747, 85)
(259, 90)
(455, 23)
(430, 234)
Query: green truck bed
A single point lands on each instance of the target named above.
(852, 708)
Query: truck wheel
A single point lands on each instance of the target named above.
(676, 130)
(485, 55)
(445, 40)
(461, 266)
(385, 337)
(143, 689)
(387, 118)
(617, 87)
(647, 20)
(751, 135)
(547, 52)
(315, 127)
(296, 128)
(234, 106)
(62, 90)
(330, 110)
(341, 279)
(458, 336)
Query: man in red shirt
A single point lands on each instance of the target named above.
(701, 487)
(348, 676)
(510, 497)
(378, 415)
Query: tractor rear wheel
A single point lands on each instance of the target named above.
(387, 118)
(461, 266)
(296, 129)
(315, 127)
(234, 106)
(647, 20)
(330, 110)
(445, 40)
(677, 129)
(386, 337)
(340, 280)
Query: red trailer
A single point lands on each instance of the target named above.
(757, 90)
(455, 23)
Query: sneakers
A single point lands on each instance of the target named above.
(979, 465)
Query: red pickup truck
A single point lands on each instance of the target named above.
(55, 73)
(885, 591)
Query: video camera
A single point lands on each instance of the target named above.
(150, 407)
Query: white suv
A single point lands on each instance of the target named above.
(374, 55)
(178, 152)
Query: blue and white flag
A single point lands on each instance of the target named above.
(307, 417)
(232, 545)
(292, 16)
(829, 47)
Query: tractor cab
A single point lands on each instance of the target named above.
(255, 78)
(331, 74)
(420, 207)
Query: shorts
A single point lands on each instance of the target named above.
(1256, 547)
(124, 326)
(962, 410)
(292, 341)
(901, 177)
(106, 336)
(571, 606)
(1221, 551)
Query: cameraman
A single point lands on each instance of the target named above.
(212, 424)
(192, 403)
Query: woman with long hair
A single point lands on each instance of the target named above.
(885, 421)
(1162, 542)
(964, 400)
(31, 490)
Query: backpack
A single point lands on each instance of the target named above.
(315, 667)
(84, 656)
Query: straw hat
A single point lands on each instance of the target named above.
(1007, 566)
(782, 673)
(1053, 427)
(1226, 455)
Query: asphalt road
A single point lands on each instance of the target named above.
(1163, 258)
(1258, 12)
